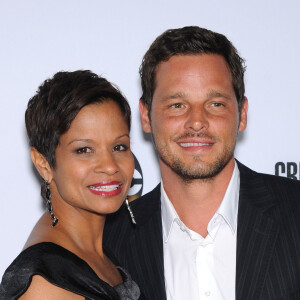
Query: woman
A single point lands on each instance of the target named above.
(78, 127)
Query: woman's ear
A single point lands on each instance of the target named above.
(41, 164)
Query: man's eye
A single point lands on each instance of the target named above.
(217, 104)
(83, 150)
(177, 105)
(120, 147)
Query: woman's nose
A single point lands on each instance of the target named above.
(106, 163)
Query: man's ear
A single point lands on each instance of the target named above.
(41, 164)
(243, 115)
(144, 113)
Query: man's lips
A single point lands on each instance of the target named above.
(195, 139)
(193, 144)
(109, 188)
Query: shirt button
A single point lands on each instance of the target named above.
(207, 294)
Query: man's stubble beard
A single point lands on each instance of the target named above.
(199, 171)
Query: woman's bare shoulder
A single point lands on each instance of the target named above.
(40, 288)
(42, 232)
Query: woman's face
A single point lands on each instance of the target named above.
(94, 163)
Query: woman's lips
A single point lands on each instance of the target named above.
(107, 189)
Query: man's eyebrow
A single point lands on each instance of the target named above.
(216, 94)
(178, 95)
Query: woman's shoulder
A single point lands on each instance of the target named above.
(56, 266)
(43, 257)
(40, 288)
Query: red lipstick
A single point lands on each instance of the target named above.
(106, 188)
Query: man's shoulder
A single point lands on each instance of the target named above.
(151, 200)
(143, 208)
(279, 190)
(272, 181)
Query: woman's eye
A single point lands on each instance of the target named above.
(83, 150)
(120, 147)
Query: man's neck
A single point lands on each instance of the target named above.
(196, 201)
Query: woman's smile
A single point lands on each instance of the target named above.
(106, 189)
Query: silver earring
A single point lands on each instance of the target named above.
(130, 211)
(49, 204)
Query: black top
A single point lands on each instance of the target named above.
(62, 268)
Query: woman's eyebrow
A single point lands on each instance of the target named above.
(79, 140)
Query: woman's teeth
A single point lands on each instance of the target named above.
(104, 188)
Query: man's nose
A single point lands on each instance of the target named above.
(197, 119)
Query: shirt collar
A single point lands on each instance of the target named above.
(228, 208)
(168, 213)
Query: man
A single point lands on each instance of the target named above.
(213, 229)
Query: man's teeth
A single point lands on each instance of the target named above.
(193, 144)
(104, 188)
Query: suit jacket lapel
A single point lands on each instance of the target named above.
(256, 235)
(146, 244)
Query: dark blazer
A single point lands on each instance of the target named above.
(268, 239)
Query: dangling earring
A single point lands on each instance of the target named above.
(49, 204)
(130, 211)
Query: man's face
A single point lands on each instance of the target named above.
(194, 115)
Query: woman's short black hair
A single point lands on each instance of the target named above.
(59, 99)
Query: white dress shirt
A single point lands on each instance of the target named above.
(197, 267)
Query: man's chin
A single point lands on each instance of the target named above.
(205, 174)
(203, 171)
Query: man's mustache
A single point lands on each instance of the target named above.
(193, 134)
